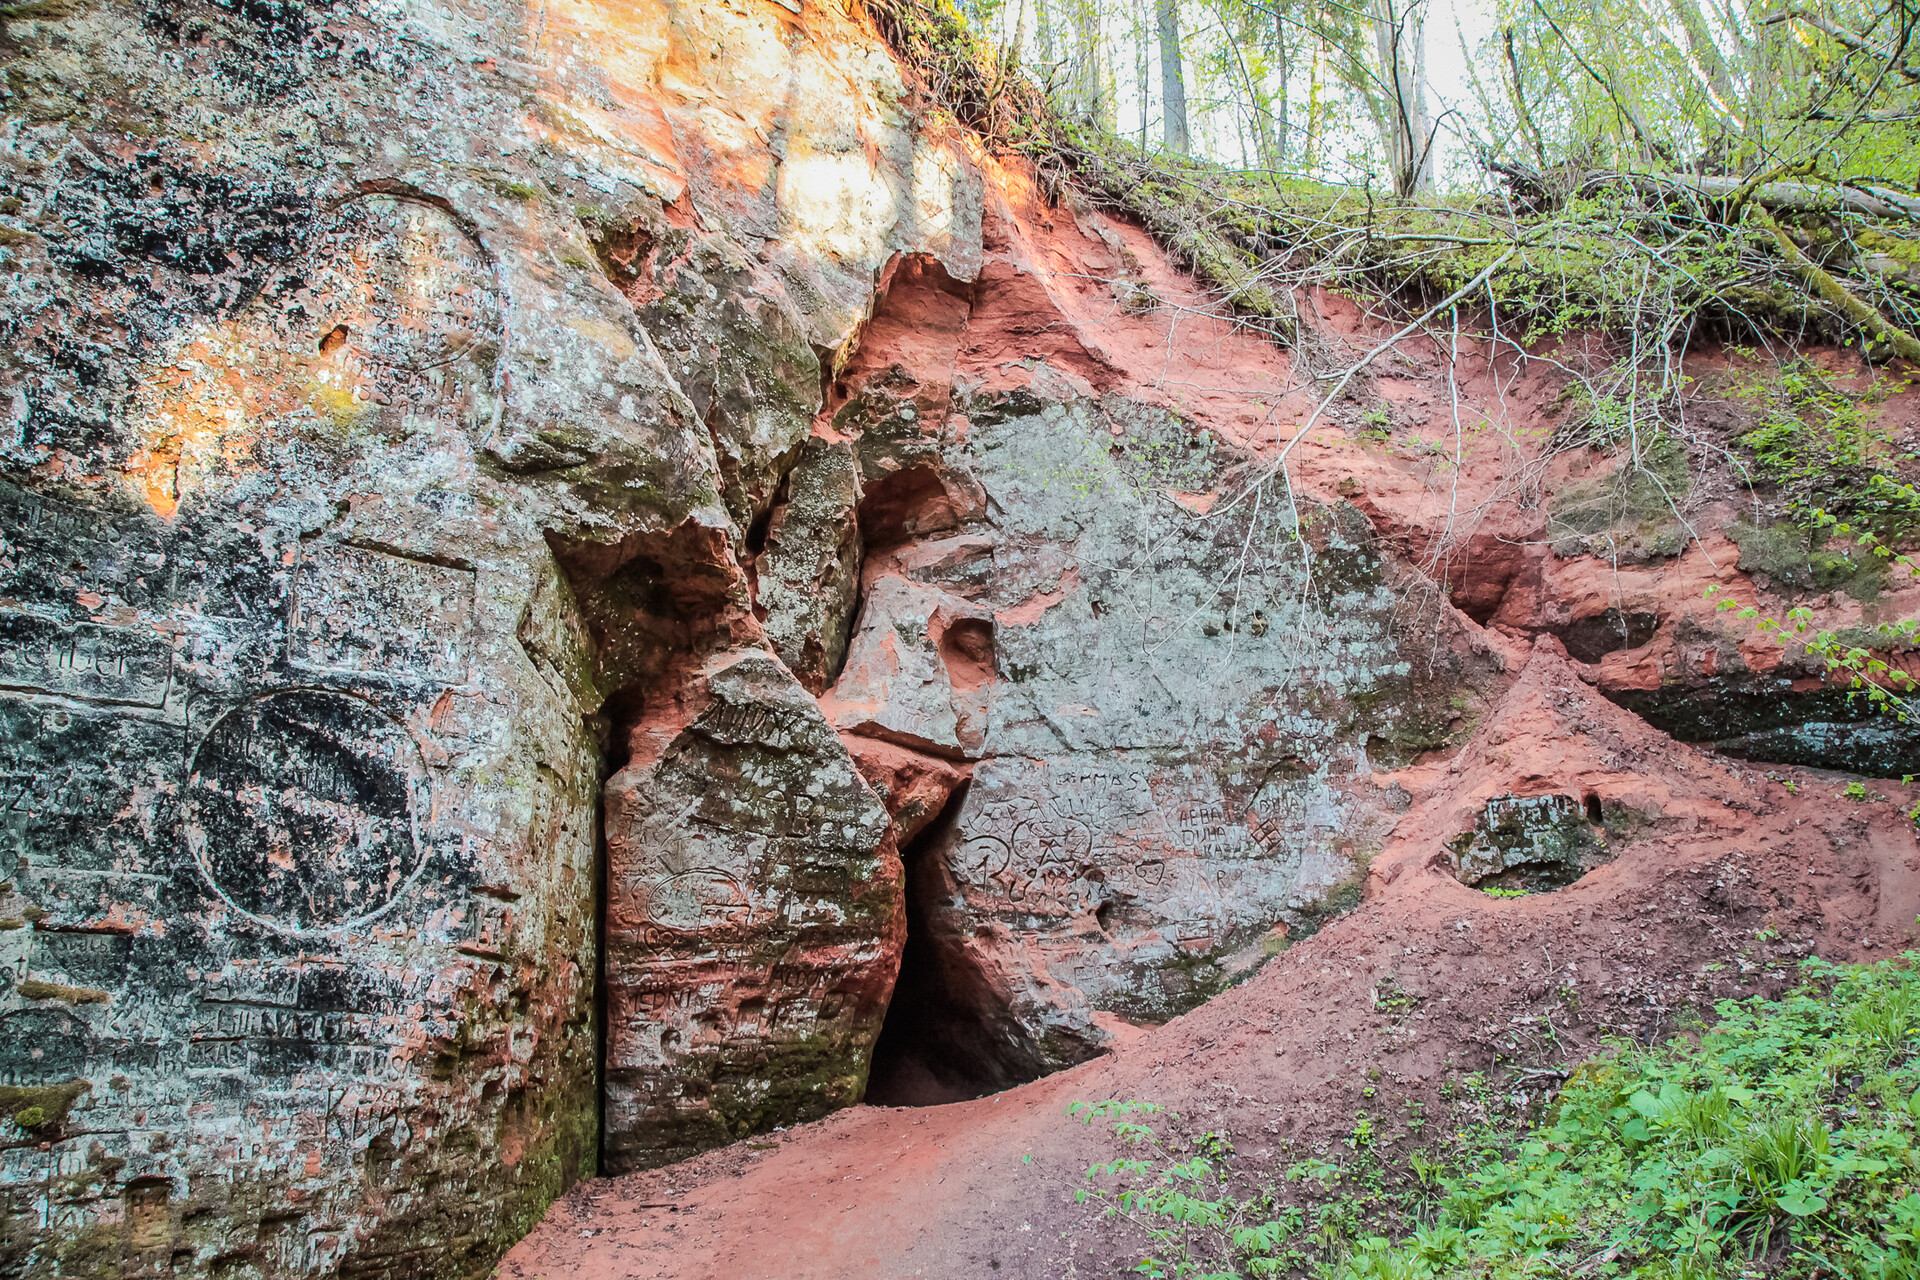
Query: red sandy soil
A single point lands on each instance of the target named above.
(1725, 876)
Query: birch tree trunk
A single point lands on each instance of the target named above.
(1283, 64)
(1143, 66)
(1400, 106)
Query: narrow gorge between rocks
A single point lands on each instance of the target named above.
(626, 652)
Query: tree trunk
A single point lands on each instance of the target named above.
(1257, 105)
(1781, 197)
(1088, 87)
(1143, 67)
(1523, 115)
(1399, 41)
(1283, 63)
(1825, 286)
(1173, 79)
(1316, 116)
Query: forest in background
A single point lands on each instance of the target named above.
(1377, 92)
(1722, 160)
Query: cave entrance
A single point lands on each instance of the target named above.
(948, 1034)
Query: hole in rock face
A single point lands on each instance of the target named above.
(1593, 638)
(966, 647)
(334, 339)
(904, 505)
(626, 255)
(946, 1036)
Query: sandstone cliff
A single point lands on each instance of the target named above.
(544, 547)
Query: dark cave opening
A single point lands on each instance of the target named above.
(618, 712)
(948, 1035)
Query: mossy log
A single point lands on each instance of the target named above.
(1829, 289)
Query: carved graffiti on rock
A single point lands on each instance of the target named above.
(303, 807)
(83, 791)
(356, 609)
(41, 1046)
(93, 663)
(696, 901)
(402, 284)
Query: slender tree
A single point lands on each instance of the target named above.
(1143, 66)
(1173, 79)
(1283, 66)
(1396, 90)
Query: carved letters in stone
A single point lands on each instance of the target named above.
(402, 284)
(360, 610)
(85, 661)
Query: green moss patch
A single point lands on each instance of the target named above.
(35, 1107)
(35, 989)
(1790, 560)
(1632, 513)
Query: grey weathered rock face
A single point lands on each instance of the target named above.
(505, 504)
(808, 572)
(753, 922)
(1171, 716)
(1530, 842)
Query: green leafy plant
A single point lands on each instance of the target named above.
(1782, 1142)
(1885, 687)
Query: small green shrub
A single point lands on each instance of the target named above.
(1787, 1138)
(1819, 446)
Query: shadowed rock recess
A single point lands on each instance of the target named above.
(570, 568)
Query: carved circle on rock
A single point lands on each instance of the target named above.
(400, 283)
(303, 809)
(697, 900)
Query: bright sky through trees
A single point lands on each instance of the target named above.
(1419, 95)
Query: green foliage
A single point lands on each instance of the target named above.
(1847, 657)
(1821, 448)
(1789, 1132)
(980, 86)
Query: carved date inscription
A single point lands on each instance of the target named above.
(303, 809)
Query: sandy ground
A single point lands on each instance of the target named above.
(1723, 880)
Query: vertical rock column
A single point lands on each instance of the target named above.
(754, 920)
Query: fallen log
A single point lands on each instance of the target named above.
(1829, 289)
(1789, 196)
